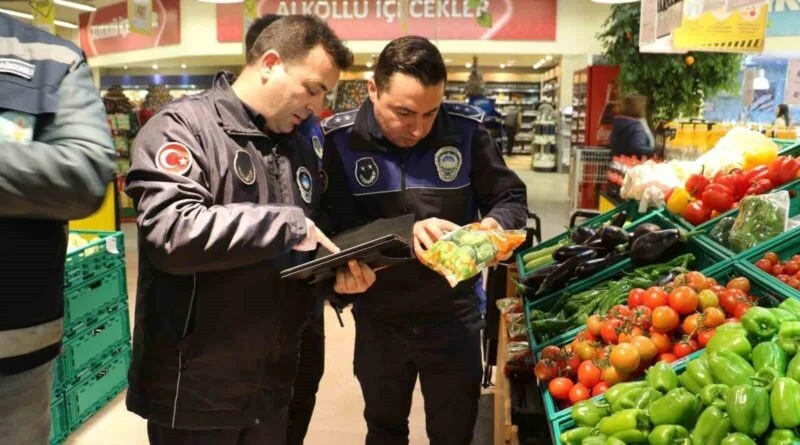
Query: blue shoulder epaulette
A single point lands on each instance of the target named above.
(465, 110)
(338, 121)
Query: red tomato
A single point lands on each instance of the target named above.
(794, 282)
(741, 283)
(593, 324)
(697, 281)
(772, 257)
(713, 317)
(791, 268)
(589, 374)
(730, 298)
(655, 297)
(546, 370)
(625, 357)
(785, 278)
(697, 213)
(684, 300)
(628, 333)
(599, 389)
(552, 352)
(795, 258)
(690, 324)
(718, 288)
(741, 309)
(777, 269)
(636, 297)
(666, 357)
(612, 376)
(764, 265)
(620, 311)
(662, 341)
(643, 317)
(684, 348)
(560, 387)
(578, 393)
(705, 336)
(665, 319)
(610, 331)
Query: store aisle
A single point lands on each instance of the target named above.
(338, 417)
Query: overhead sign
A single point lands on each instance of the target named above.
(108, 30)
(140, 15)
(742, 31)
(784, 17)
(388, 19)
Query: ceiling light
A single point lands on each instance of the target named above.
(155, 66)
(369, 64)
(448, 60)
(502, 66)
(23, 15)
(548, 58)
(468, 65)
(183, 66)
(75, 5)
(125, 67)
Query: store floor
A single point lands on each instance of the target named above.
(338, 417)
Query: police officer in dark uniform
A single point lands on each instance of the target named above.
(224, 186)
(404, 151)
(311, 364)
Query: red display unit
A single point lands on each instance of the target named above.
(595, 101)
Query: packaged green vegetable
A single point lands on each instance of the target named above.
(760, 218)
(464, 253)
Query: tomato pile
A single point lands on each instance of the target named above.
(702, 198)
(786, 271)
(657, 324)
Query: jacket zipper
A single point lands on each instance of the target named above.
(180, 354)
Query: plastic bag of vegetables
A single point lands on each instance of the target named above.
(760, 218)
(464, 253)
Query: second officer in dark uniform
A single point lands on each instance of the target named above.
(405, 151)
(224, 186)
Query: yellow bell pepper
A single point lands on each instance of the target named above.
(678, 201)
(762, 154)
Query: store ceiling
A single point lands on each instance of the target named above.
(515, 62)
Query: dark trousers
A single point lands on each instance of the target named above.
(447, 359)
(511, 137)
(311, 365)
(268, 432)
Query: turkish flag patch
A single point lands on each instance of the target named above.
(174, 158)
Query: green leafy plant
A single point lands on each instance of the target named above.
(674, 84)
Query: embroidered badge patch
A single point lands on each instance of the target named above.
(244, 168)
(305, 184)
(174, 158)
(448, 163)
(366, 172)
(17, 67)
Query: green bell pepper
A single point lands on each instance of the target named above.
(589, 412)
(712, 426)
(748, 409)
(782, 437)
(766, 378)
(662, 377)
(737, 439)
(631, 436)
(793, 369)
(629, 419)
(637, 398)
(730, 326)
(760, 322)
(576, 435)
(783, 315)
(769, 354)
(715, 395)
(595, 440)
(730, 368)
(669, 435)
(677, 407)
(697, 375)
(785, 403)
(792, 306)
(789, 337)
(732, 340)
(614, 441)
(615, 392)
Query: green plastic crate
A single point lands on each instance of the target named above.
(794, 209)
(58, 422)
(630, 207)
(97, 389)
(785, 247)
(92, 299)
(94, 259)
(786, 144)
(705, 257)
(94, 346)
(792, 149)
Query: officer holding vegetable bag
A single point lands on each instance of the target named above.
(406, 151)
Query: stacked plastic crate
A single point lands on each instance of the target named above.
(93, 365)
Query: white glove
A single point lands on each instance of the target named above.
(314, 236)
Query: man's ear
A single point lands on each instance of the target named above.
(372, 89)
(269, 60)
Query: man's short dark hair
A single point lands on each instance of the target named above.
(255, 29)
(413, 56)
(293, 36)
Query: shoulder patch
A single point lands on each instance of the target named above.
(339, 121)
(465, 110)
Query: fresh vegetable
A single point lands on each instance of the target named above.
(638, 398)
(595, 265)
(759, 187)
(654, 246)
(749, 410)
(629, 419)
(560, 275)
(769, 354)
(560, 387)
(792, 306)
(789, 337)
(677, 407)
(782, 437)
(782, 315)
(760, 155)
(785, 403)
(697, 375)
(625, 357)
(759, 219)
(669, 435)
(628, 437)
(722, 231)
(590, 412)
(697, 213)
(696, 184)
(679, 201)
(662, 377)
(718, 197)
(616, 392)
(793, 367)
(643, 229)
(729, 368)
(712, 426)
(737, 439)
(715, 395)
(568, 252)
(544, 252)
(783, 170)
(730, 339)
(613, 236)
(575, 435)
(760, 322)
(581, 234)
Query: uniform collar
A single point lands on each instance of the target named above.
(367, 135)
(234, 116)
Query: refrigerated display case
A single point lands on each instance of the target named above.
(595, 101)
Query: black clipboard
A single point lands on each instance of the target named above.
(379, 244)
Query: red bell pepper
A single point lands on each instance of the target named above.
(735, 180)
(697, 213)
(754, 174)
(718, 197)
(783, 170)
(759, 187)
(696, 184)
